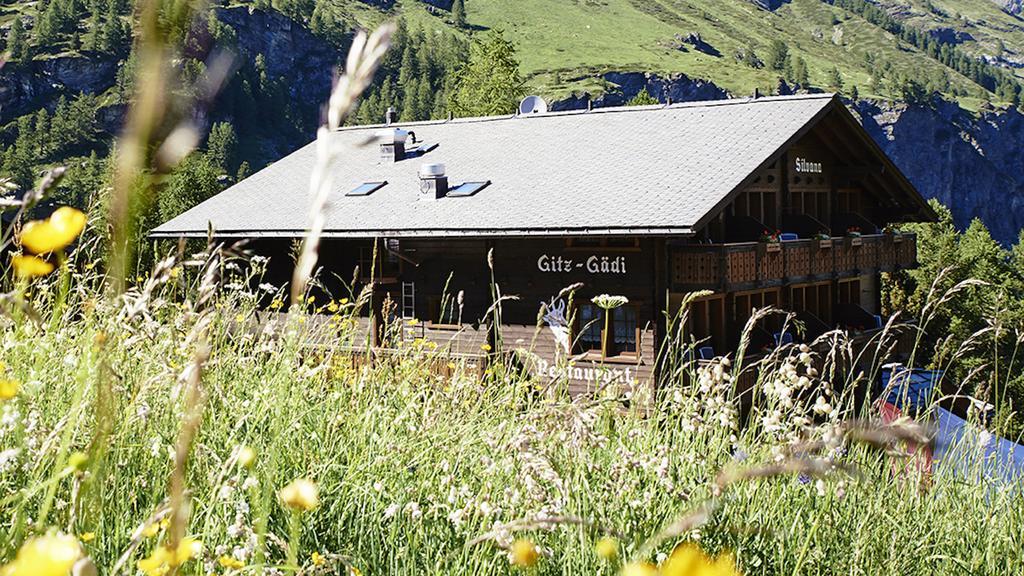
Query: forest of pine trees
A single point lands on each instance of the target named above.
(417, 78)
(990, 77)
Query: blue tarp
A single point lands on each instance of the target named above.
(972, 453)
(909, 390)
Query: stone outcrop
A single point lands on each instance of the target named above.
(28, 86)
(1011, 6)
(625, 85)
(289, 49)
(970, 163)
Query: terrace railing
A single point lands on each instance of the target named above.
(750, 265)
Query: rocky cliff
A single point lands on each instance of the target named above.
(972, 164)
(27, 87)
(289, 49)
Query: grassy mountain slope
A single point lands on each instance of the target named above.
(562, 44)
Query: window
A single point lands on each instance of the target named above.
(759, 205)
(591, 323)
(848, 200)
(623, 331)
(366, 188)
(467, 189)
(849, 292)
(706, 321)
(420, 149)
(813, 203)
(815, 299)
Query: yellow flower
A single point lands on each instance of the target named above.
(412, 321)
(344, 301)
(317, 559)
(9, 389)
(689, 560)
(276, 304)
(332, 306)
(246, 457)
(523, 553)
(301, 494)
(230, 562)
(607, 548)
(30, 266)
(87, 537)
(54, 233)
(310, 300)
(485, 347)
(151, 530)
(165, 558)
(45, 556)
(77, 461)
(353, 571)
(639, 569)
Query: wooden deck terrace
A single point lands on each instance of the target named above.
(747, 265)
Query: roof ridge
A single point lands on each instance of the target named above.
(602, 110)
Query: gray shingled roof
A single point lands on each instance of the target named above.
(645, 170)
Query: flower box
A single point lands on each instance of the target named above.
(773, 246)
(854, 240)
(824, 244)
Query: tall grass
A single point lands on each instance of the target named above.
(140, 406)
(414, 467)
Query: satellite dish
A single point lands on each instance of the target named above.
(533, 105)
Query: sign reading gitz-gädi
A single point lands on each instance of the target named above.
(593, 264)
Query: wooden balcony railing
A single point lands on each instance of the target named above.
(748, 265)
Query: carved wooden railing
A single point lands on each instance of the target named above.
(746, 265)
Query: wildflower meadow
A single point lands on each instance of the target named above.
(195, 419)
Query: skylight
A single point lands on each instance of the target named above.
(467, 189)
(420, 149)
(366, 188)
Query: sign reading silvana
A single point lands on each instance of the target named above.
(807, 167)
(592, 264)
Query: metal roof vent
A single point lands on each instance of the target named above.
(433, 182)
(392, 144)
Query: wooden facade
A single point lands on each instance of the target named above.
(793, 207)
(806, 234)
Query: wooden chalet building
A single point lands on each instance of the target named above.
(781, 201)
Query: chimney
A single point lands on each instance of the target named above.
(390, 117)
(392, 144)
(433, 182)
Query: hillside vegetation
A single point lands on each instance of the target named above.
(564, 45)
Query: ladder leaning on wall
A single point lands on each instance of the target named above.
(408, 300)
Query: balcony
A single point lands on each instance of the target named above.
(751, 265)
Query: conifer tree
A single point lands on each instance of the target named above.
(221, 145)
(459, 13)
(801, 77)
(778, 54)
(490, 83)
(43, 145)
(17, 42)
(642, 98)
(835, 79)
